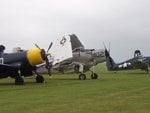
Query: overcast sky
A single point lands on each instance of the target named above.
(124, 23)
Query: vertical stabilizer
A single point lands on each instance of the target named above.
(75, 42)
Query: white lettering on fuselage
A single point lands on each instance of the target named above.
(1, 60)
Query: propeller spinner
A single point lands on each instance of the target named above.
(45, 57)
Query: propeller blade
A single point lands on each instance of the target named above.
(109, 47)
(37, 46)
(104, 45)
(106, 51)
(49, 47)
(48, 66)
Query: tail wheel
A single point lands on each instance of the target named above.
(39, 79)
(94, 76)
(82, 76)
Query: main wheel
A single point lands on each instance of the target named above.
(147, 70)
(94, 76)
(19, 80)
(82, 76)
(39, 79)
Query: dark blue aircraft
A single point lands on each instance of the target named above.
(23, 63)
(137, 62)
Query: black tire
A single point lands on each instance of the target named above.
(39, 79)
(19, 80)
(82, 76)
(94, 76)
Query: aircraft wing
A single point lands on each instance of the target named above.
(61, 50)
(7, 68)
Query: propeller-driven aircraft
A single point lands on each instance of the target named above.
(23, 63)
(137, 62)
(82, 59)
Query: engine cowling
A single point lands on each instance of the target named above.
(36, 56)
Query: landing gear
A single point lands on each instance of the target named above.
(18, 79)
(148, 69)
(82, 76)
(39, 79)
(94, 76)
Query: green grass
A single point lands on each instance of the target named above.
(123, 92)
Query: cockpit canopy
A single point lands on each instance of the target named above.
(137, 53)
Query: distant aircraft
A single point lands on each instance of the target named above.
(137, 62)
(82, 59)
(23, 63)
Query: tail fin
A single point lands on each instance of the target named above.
(75, 42)
(111, 65)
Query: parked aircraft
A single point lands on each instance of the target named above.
(82, 59)
(137, 62)
(23, 63)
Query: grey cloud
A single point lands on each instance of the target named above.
(125, 23)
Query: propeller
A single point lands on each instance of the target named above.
(37, 46)
(48, 65)
(109, 47)
(107, 54)
(106, 51)
(49, 47)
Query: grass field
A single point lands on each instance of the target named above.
(123, 92)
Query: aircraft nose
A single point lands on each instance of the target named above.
(101, 53)
(98, 54)
(43, 54)
(35, 56)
